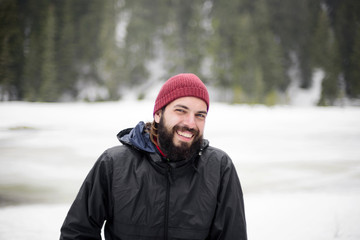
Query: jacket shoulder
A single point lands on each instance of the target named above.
(215, 156)
(120, 153)
(116, 150)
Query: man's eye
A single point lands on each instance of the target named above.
(179, 110)
(200, 115)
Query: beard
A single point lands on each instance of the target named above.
(184, 150)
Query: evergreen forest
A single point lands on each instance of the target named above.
(50, 50)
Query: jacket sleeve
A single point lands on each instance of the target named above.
(229, 221)
(92, 206)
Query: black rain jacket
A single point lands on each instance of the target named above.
(139, 195)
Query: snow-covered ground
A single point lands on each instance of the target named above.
(299, 166)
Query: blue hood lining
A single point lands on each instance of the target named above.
(137, 137)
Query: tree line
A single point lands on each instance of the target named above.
(52, 49)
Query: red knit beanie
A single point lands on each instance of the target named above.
(181, 85)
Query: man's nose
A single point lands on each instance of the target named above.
(189, 121)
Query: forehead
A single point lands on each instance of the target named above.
(192, 103)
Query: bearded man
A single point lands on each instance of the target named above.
(165, 181)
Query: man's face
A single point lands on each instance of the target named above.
(181, 126)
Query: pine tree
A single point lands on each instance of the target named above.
(292, 22)
(48, 88)
(345, 22)
(354, 69)
(109, 67)
(269, 55)
(33, 48)
(234, 50)
(245, 67)
(322, 32)
(184, 38)
(65, 49)
(11, 52)
(332, 67)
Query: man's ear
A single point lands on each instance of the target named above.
(157, 116)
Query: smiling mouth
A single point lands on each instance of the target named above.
(185, 134)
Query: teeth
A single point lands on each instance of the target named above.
(184, 134)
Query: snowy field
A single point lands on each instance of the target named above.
(299, 166)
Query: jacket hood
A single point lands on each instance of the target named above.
(137, 138)
(140, 139)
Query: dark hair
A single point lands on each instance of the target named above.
(152, 129)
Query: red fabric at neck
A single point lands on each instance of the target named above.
(158, 148)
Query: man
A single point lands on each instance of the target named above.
(165, 181)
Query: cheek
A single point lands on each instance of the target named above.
(172, 122)
(201, 126)
(201, 129)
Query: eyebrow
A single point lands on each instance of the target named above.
(185, 107)
(203, 112)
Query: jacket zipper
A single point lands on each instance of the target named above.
(167, 200)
